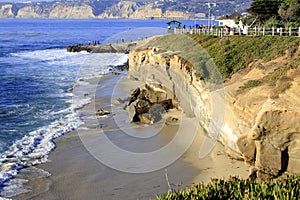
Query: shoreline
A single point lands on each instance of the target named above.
(76, 174)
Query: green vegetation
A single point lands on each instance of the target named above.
(235, 53)
(251, 84)
(277, 79)
(277, 13)
(263, 10)
(287, 187)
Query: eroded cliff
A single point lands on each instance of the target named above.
(255, 113)
(82, 10)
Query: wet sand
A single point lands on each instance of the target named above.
(76, 173)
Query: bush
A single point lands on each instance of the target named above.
(251, 84)
(292, 24)
(287, 187)
(272, 22)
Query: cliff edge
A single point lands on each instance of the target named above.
(243, 91)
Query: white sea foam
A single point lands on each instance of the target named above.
(53, 56)
(34, 147)
(15, 187)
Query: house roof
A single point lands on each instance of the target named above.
(234, 15)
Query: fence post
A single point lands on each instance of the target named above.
(280, 31)
(264, 30)
(273, 30)
(221, 33)
(255, 30)
(290, 31)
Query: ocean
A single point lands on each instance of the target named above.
(37, 77)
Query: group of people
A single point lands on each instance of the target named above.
(241, 30)
(94, 42)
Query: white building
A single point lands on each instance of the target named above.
(230, 20)
(227, 22)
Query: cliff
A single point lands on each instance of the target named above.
(133, 9)
(69, 10)
(254, 110)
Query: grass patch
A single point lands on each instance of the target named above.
(272, 79)
(235, 53)
(276, 79)
(251, 84)
(283, 84)
(286, 187)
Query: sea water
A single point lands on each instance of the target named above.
(37, 75)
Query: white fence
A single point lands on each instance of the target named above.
(247, 31)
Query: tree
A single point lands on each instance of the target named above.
(263, 10)
(289, 11)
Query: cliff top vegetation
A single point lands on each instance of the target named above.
(287, 187)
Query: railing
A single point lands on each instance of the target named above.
(260, 31)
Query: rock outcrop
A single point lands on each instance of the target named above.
(148, 104)
(124, 47)
(6, 11)
(257, 125)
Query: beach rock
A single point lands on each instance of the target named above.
(134, 95)
(143, 106)
(133, 117)
(79, 47)
(101, 112)
(125, 47)
(156, 112)
(145, 118)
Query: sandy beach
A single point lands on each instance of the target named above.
(78, 173)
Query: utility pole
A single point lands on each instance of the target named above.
(210, 5)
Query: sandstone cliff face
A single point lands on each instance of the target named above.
(132, 10)
(147, 12)
(6, 11)
(258, 125)
(121, 10)
(271, 143)
(77, 12)
(31, 12)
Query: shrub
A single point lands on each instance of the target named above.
(286, 187)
